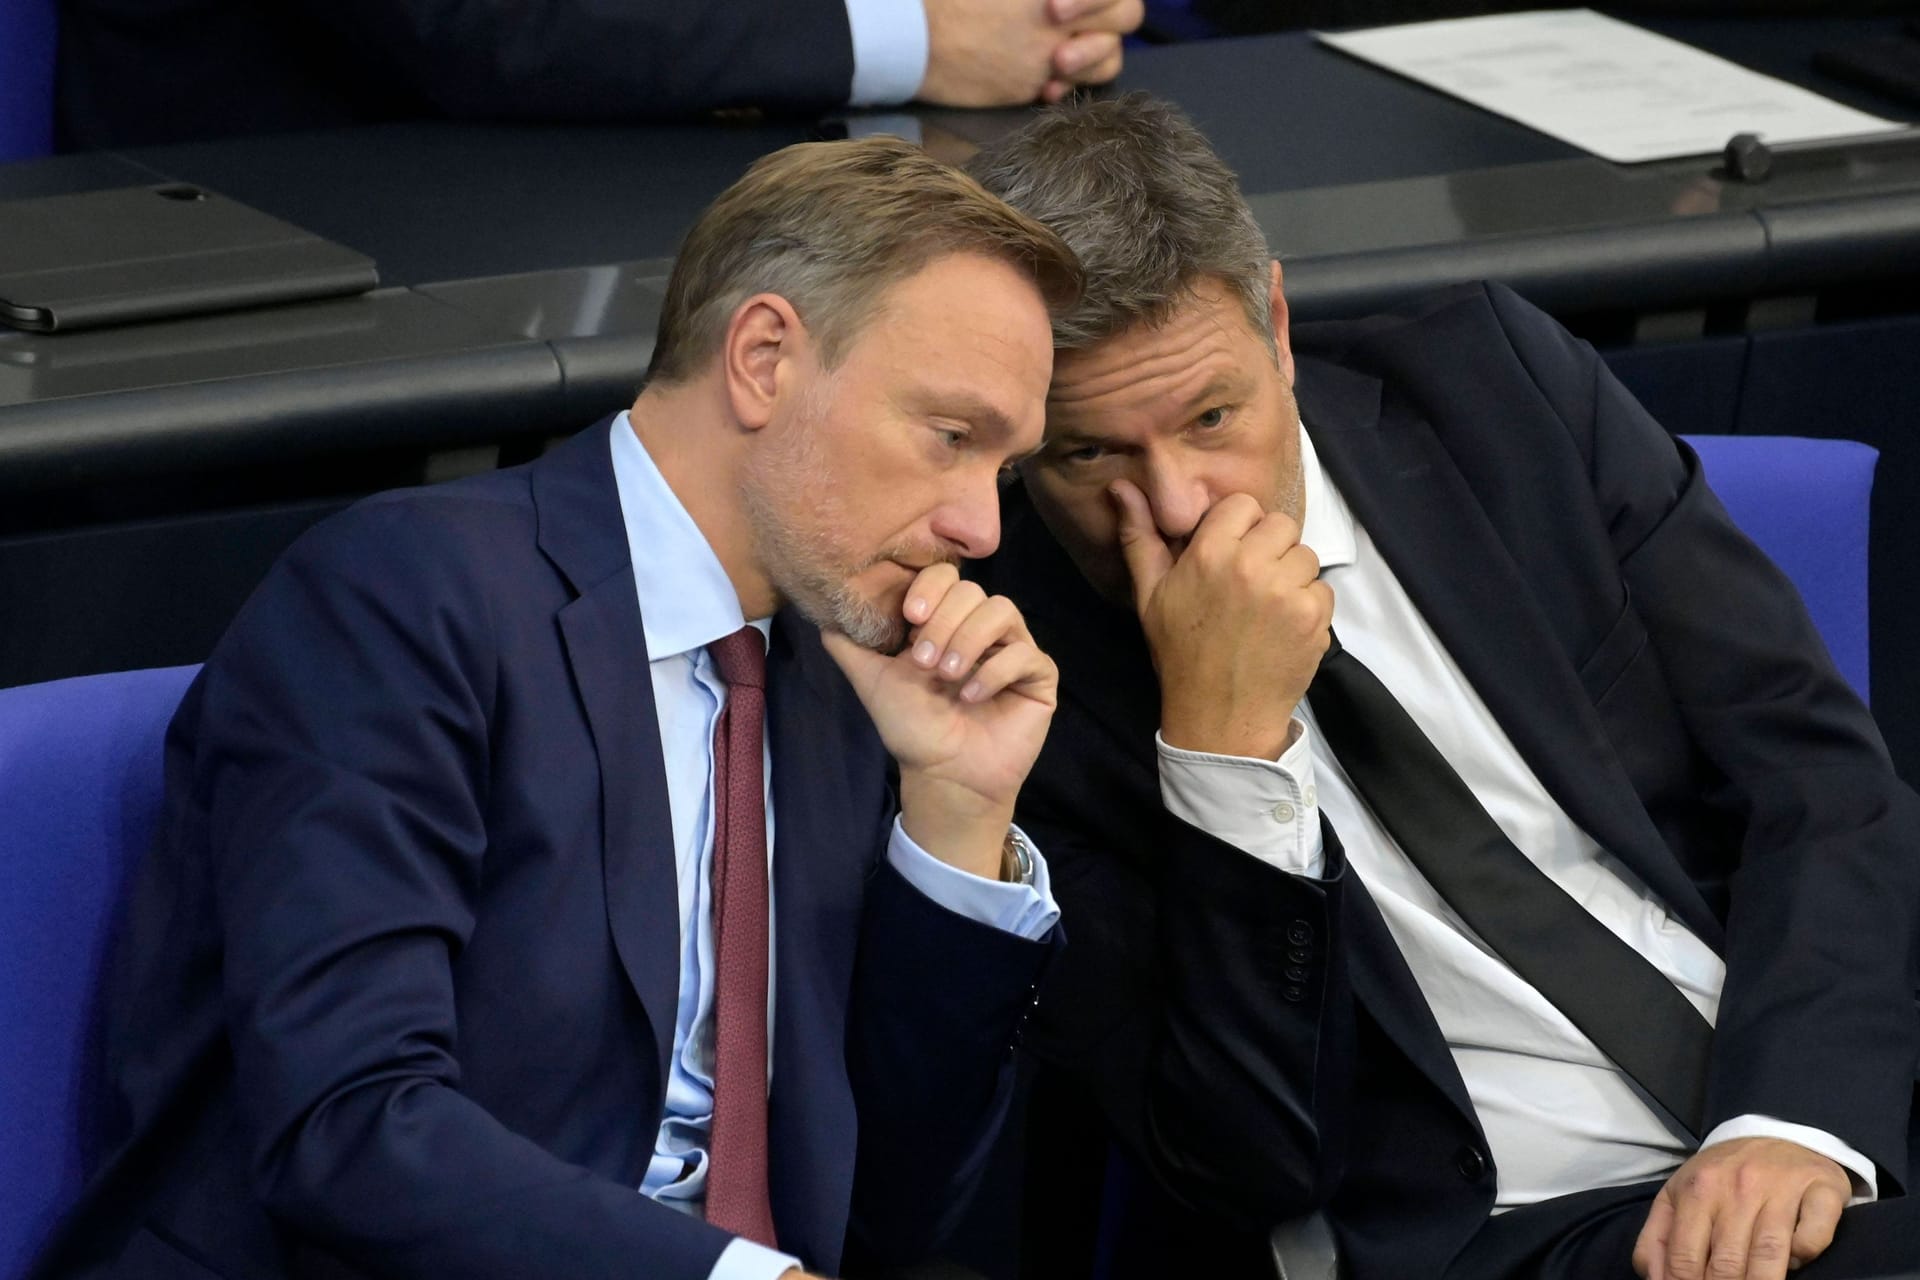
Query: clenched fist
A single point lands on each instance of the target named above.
(1237, 623)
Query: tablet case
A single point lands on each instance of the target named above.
(151, 253)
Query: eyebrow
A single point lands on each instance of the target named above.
(967, 405)
(1218, 386)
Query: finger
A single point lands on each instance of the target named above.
(1730, 1236)
(1228, 520)
(931, 640)
(1650, 1249)
(1299, 565)
(1690, 1238)
(861, 665)
(1323, 600)
(996, 622)
(1146, 552)
(1083, 50)
(1102, 71)
(1276, 534)
(1020, 666)
(1770, 1248)
(1117, 16)
(927, 589)
(1064, 12)
(1819, 1217)
(1054, 90)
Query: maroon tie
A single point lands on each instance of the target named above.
(737, 1198)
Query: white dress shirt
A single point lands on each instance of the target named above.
(1558, 1116)
(889, 50)
(686, 603)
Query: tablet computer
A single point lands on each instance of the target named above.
(129, 254)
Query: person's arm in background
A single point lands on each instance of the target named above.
(603, 61)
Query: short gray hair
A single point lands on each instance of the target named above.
(1144, 202)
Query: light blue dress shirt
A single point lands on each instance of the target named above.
(889, 50)
(686, 603)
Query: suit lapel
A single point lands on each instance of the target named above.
(582, 532)
(822, 853)
(1412, 499)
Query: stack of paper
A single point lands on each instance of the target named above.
(1605, 86)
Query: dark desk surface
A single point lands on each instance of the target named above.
(436, 202)
(523, 271)
(526, 262)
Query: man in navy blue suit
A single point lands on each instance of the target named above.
(605, 867)
(1559, 920)
(139, 72)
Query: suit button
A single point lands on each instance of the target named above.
(1299, 933)
(1294, 973)
(1294, 993)
(1299, 955)
(1471, 1164)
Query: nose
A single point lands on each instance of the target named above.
(1178, 496)
(970, 522)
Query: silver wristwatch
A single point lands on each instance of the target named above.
(1016, 859)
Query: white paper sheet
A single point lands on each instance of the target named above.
(1605, 86)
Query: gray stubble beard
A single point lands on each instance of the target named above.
(804, 565)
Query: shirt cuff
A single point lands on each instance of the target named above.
(1024, 910)
(889, 50)
(1267, 808)
(1866, 1181)
(742, 1259)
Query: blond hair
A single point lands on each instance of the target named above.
(829, 226)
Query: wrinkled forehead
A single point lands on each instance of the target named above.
(1151, 376)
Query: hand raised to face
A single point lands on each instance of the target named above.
(963, 710)
(1237, 622)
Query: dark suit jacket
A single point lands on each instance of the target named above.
(1255, 1038)
(398, 989)
(133, 72)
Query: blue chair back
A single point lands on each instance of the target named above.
(27, 31)
(80, 790)
(1807, 504)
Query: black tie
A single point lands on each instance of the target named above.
(1628, 1008)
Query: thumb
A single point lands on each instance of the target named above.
(861, 665)
(1148, 558)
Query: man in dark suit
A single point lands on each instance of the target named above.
(135, 72)
(457, 956)
(1561, 917)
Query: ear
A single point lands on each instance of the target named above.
(763, 338)
(1282, 339)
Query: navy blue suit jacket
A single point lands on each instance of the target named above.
(137, 72)
(397, 992)
(1256, 1038)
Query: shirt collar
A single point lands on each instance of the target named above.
(1327, 524)
(686, 599)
